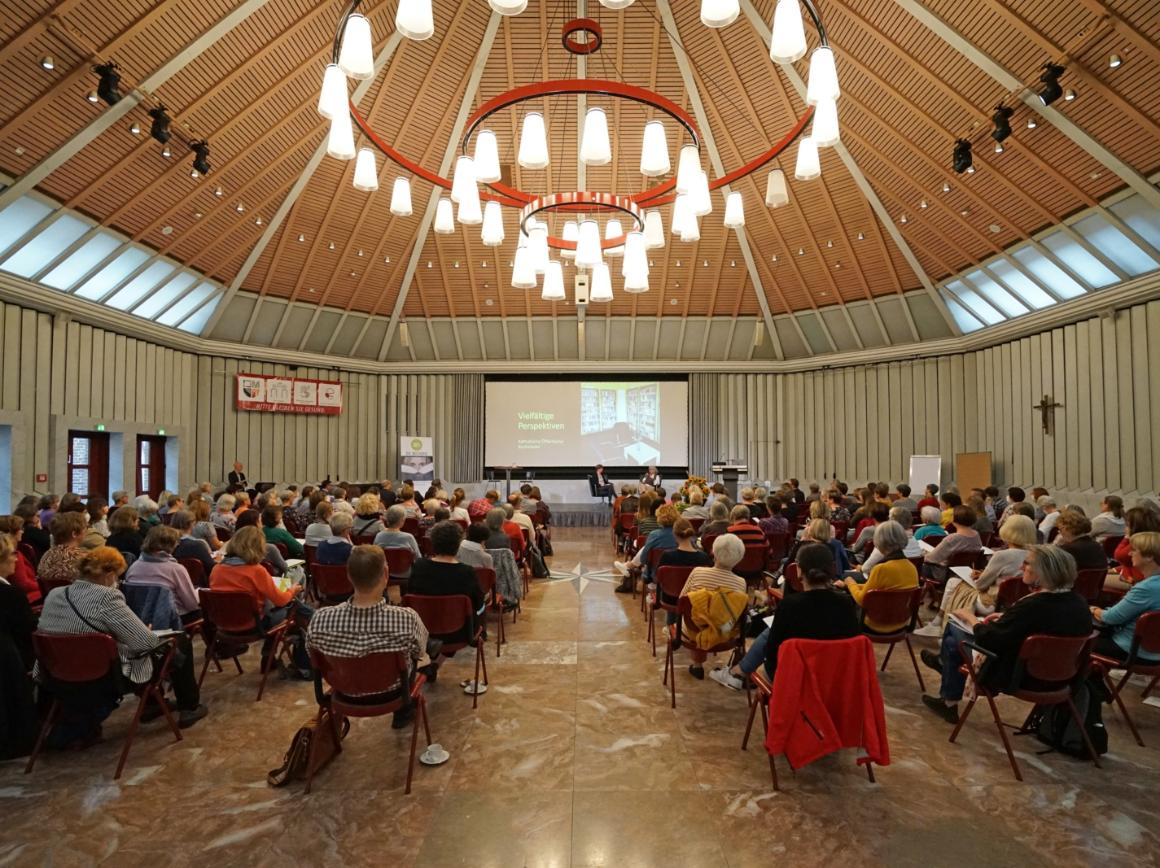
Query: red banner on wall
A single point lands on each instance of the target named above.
(288, 395)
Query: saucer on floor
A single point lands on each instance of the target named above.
(472, 688)
(434, 755)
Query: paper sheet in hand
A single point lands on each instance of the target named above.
(959, 622)
(925, 546)
(964, 573)
(768, 621)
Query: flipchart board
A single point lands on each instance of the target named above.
(972, 470)
(925, 470)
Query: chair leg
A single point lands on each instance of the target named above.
(268, 663)
(1006, 740)
(870, 772)
(1115, 691)
(914, 663)
(414, 747)
(1148, 689)
(652, 630)
(210, 656)
(422, 702)
(45, 729)
(1083, 732)
(773, 773)
(886, 659)
(169, 718)
(963, 719)
(756, 700)
(133, 724)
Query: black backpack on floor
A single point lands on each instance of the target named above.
(1057, 729)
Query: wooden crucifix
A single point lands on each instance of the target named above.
(1047, 408)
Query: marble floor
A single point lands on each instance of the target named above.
(575, 758)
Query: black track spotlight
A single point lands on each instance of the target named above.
(962, 159)
(201, 157)
(1050, 78)
(108, 87)
(160, 128)
(1002, 121)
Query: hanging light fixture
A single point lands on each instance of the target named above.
(601, 289)
(595, 149)
(508, 7)
(613, 230)
(616, 4)
(654, 230)
(523, 270)
(824, 130)
(414, 20)
(356, 56)
(486, 157)
(332, 99)
(719, 13)
(538, 245)
(553, 282)
(734, 211)
(463, 181)
(469, 212)
(776, 192)
(340, 143)
(654, 151)
(492, 234)
(788, 41)
(687, 167)
(444, 221)
(808, 165)
(366, 174)
(682, 212)
(401, 198)
(588, 251)
(634, 268)
(571, 233)
(108, 87)
(700, 198)
(823, 76)
(533, 142)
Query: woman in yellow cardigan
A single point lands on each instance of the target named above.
(894, 572)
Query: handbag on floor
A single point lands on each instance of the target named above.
(295, 762)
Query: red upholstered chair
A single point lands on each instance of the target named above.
(1090, 583)
(448, 616)
(399, 563)
(707, 542)
(331, 583)
(231, 621)
(487, 583)
(196, 570)
(751, 567)
(1011, 590)
(462, 524)
(29, 552)
(353, 678)
(888, 607)
(364, 539)
(779, 545)
(1146, 638)
(81, 658)
(671, 580)
(412, 526)
(1052, 664)
(282, 550)
(696, 523)
(1110, 544)
(47, 585)
(734, 644)
(792, 578)
(840, 529)
(223, 534)
(309, 554)
(625, 530)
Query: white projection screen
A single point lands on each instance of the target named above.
(580, 423)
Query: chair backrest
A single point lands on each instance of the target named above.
(1089, 583)
(592, 485)
(918, 562)
(753, 561)
(331, 580)
(47, 585)
(282, 549)
(696, 523)
(486, 578)
(654, 558)
(399, 561)
(1147, 635)
(962, 559)
(196, 570)
(309, 553)
(1053, 659)
(153, 604)
(442, 615)
(840, 529)
(892, 606)
(707, 542)
(223, 533)
(412, 526)
(672, 579)
(462, 524)
(29, 552)
(627, 521)
(360, 676)
(364, 539)
(232, 611)
(75, 657)
(1110, 544)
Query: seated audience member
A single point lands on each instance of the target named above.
(904, 500)
(170, 503)
(754, 504)
(864, 533)
(48, 506)
(274, 532)
(837, 503)
(443, 575)
(61, 562)
(662, 538)
(821, 612)
(223, 516)
(387, 493)
(931, 525)
(242, 570)
(473, 549)
(1119, 622)
(902, 517)
(407, 502)
(22, 575)
(1055, 611)
(629, 500)
(34, 534)
(319, 528)
(931, 498)
(394, 537)
(893, 572)
(98, 510)
(983, 524)
(774, 523)
(367, 624)
(743, 527)
(147, 511)
(947, 503)
(1015, 495)
(513, 530)
(819, 530)
(695, 506)
(820, 509)
(190, 546)
(1110, 521)
(1037, 494)
(458, 513)
(646, 514)
(93, 604)
(126, 531)
(718, 522)
(18, 718)
(994, 501)
(430, 507)
(496, 537)
(479, 507)
(529, 503)
(1050, 511)
(1144, 517)
(336, 548)
(813, 495)
(1074, 537)
(728, 550)
(203, 527)
(685, 554)
(521, 515)
(251, 518)
(158, 566)
(796, 492)
(368, 516)
(242, 503)
(965, 539)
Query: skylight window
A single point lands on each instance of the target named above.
(18, 218)
(165, 295)
(105, 280)
(973, 302)
(1048, 273)
(1076, 257)
(963, 320)
(42, 248)
(137, 288)
(187, 304)
(1141, 217)
(996, 294)
(198, 319)
(1116, 246)
(87, 257)
(1030, 292)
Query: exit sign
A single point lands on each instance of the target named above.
(100, 427)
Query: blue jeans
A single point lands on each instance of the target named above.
(275, 616)
(953, 681)
(755, 656)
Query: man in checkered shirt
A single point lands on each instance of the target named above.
(367, 624)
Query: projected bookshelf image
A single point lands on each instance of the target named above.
(621, 422)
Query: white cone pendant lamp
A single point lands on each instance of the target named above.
(571, 233)
(463, 179)
(823, 77)
(788, 42)
(469, 212)
(808, 165)
(634, 268)
(523, 271)
(719, 13)
(332, 100)
(508, 7)
(366, 174)
(701, 200)
(601, 289)
(734, 211)
(401, 198)
(824, 130)
(688, 165)
(588, 252)
(654, 152)
(776, 192)
(533, 142)
(538, 245)
(553, 282)
(486, 157)
(356, 56)
(444, 220)
(654, 230)
(414, 20)
(340, 143)
(595, 149)
(613, 230)
(492, 233)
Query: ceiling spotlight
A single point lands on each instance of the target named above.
(1114, 61)
(91, 96)
(1032, 123)
(861, 237)
(135, 128)
(946, 187)
(160, 127)
(330, 246)
(1069, 94)
(239, 207)
(998, 147)
(201, 157)
(217, 191)
(166, 152)
(902, 219)
(258, 220)
(1050, 78)
(1002, 121)
(922, 204)
(962, 156)
(47, 62)
(301, 237)
(108, 86)
(829, 243)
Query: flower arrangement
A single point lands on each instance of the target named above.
(695, 482)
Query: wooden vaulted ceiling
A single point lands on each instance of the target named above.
(906, 97)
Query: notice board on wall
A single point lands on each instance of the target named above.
(972, 470)
(288, 395)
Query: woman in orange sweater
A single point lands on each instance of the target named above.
(894, 572)
(242, 570)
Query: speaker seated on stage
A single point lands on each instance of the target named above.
(652, 478)
(602, 487)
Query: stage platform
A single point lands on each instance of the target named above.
(595, 514)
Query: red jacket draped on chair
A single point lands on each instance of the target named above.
(826, 697)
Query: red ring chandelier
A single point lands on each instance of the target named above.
(689, 189)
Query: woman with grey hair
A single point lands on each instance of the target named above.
(1055, 611)
(493, 521)
(224, 516)
(146, 508)
(902, 517)
(931, 524)
(728, 550)
(893, 573)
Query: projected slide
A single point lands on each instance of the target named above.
(557, 424)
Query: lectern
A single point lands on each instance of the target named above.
(729, 473)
